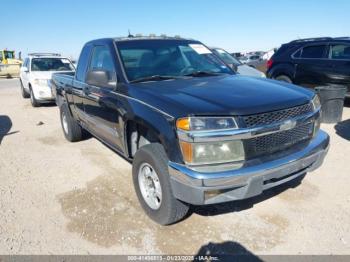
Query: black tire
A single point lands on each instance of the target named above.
(73, 132)
(23, 91)
(284, 78)
(171, 209)
(33, 100)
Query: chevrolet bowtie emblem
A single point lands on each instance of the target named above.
(286, 125)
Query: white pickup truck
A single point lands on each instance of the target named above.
(35, 76)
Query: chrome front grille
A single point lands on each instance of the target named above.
(279, 141)
(276, 116)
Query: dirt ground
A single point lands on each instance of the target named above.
(58, 197)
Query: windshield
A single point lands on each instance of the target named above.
(9, 55)
(51, 64)
(226, 57)
(168, 58)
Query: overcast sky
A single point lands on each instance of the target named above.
(236, 25)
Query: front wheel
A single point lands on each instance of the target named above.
(152, 185)
(23, 91)
(33, 100)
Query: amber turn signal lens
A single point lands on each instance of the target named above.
(187, 151)
(183, 123)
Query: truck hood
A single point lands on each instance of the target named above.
(220, 95)
(44, 74)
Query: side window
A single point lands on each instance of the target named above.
(102, 60)
(317, 51)
(340, 52)
(83, 63)
(25, 64)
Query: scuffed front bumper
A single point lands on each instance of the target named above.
(208, 188)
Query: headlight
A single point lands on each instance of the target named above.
(210, 152)
(316, 103)
(205, 123)
(213, 152)
(41, 82)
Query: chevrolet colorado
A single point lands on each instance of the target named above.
(195, 132)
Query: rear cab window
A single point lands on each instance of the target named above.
(83, 63)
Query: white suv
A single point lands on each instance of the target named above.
(35, 75)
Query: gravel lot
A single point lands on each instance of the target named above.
(77, 198)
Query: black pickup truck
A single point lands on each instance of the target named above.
(195, 132)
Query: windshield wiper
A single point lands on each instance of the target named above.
(153, 78)
(203, 73)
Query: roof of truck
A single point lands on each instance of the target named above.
(149, 37)
(138, 38)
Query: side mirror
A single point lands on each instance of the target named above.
(24, 69)
(99, 78)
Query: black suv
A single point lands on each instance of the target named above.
(312, 62)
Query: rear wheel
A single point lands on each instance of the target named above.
(284, 78)
(23, 91)
(152, 185)
(72, 131)
(33, 100)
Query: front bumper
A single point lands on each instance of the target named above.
(208, 188)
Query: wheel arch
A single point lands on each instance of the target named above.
(150, 128)
(282, 69)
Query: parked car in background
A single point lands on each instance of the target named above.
(312, 62)
(35, 76)
(236, 55)
(251, 60)
(195, 132)
(268, 54)
(236, 64)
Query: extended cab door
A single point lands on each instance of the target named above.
(101, 102)
(311, 65)
(339, 69)
(79, 84)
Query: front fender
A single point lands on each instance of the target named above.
(160, 123)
